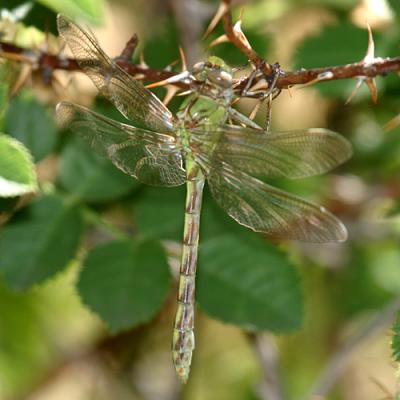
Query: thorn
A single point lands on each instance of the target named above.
(142, 63)
(222, 9)
(255, 110)
(392, 124)
(22, 78)
(368, 59)
(241, 12)
(221, 39)
(171, 92)
(354, 91)
(183, 59)
(323, 76)
(173, 79)
(185, 93)
(171, 65)
(237, 28)
(370, 54)
(370, 82)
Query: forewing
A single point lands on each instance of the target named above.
(262, 208)
(152, 158)
(293, 154)
(135, 102)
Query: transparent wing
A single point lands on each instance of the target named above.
(262, 208)
(127, 94)
(152, 158)
(293, 154)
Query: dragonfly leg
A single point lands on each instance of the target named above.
(242, 119)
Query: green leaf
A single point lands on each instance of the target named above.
(90, 10)
(161, 48)
(396, 339)
(159, 212)
(17, 172)
(7, 205)
(38, 242)
(31, 123)
(248, 282)
(90, 177)
(4, 84)
(38, 16)
(395, 5)
(335, 45)
(20, 365)
(125, 282)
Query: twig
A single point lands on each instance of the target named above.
(238, 39)
(129, 49)
(340, 358)
(270, 387)
(44, 61)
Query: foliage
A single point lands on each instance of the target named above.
(125, 283)
(17, 176)
(93, 232)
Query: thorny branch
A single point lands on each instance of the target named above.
(47, 63)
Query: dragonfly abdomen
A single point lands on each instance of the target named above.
(183, 337)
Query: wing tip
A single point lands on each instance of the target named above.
(62, 22)
(64, 113)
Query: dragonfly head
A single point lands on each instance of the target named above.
(214, 71)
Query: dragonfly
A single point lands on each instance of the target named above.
(200, 144)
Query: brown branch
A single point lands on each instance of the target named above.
(380, 66)
(369, 67)
(239, 40)
(43, 61)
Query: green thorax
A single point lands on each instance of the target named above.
(199, 112)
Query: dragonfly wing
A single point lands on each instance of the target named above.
(151, 157)
(263, 208)
(127, 94)
(293, 154)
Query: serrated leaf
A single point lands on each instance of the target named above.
(245, 281)
(90, 10)
(159, 212)
(124, 282)
(90, 177)
(38, 242)
(17, 172)
(31, 123)
(396, 339)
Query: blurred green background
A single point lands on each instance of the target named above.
(88, 265)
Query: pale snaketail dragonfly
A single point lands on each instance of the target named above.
(197, 145)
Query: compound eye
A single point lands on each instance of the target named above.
(198, 67)
(220, 78)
